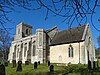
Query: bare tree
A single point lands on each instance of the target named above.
(4, 44)
(69, 10)
(98, 39)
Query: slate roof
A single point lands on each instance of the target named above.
(68, 36)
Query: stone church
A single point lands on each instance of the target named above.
(74, 45)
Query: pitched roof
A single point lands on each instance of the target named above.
(68, 36)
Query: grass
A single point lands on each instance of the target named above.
(42, 69)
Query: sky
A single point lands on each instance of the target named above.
(37, 20)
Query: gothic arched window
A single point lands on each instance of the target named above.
(26, 31)
(70, 51)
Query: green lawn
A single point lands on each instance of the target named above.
(42, 69)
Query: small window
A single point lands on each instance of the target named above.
(34, 50)
(25, 48)
(17, 52)
(18, 31)
(40, 39)
(70, 51)
(26, 31)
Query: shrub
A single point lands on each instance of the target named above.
(75, 68)
(14, 63)
(26, 62)
(2, 69)
(51, 68)
(48, 63)
(35, 65)
(19, 67)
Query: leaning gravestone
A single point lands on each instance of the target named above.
(2, 69)
(19, 67)
(35, 65)
(48, 63)
(89, 65)
(6, 63)
(94, 66)
(26, 62)
(51, 68)
(14, 63)
(38, 62)
(19, 62)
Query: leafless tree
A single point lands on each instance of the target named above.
(69, 10)
(4, 44)
(98, 39)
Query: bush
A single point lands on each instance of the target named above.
(26, 62)
(75, 68)
(35, 65)
(48, 63)
(14, 63)
(19, 67)
(51, 68)
(2, 69)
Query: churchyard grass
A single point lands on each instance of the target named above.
(42, 69)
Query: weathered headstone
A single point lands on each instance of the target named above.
(39, 62)
(26, 62)
(48, 63)
(35, 65)
(19, 62)
(19, 67)
(2, 69)
(51, 68)
(6, 63)
(94, 66)
(97, 64)
(14, 63)
(89, 64)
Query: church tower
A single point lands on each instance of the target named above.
(23, 30)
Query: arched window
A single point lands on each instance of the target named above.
(70, 51)
(26, 31)
(18, 31)
(40, 39)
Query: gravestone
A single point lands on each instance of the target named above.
(89, 64)
(19, 67)
(39, 62)
(26, 62)
(48, 63)
(94, 66)
(14, 63)
(2, 69)
(35, 65)
(6, 63)
(19, 62)
(51, 68)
